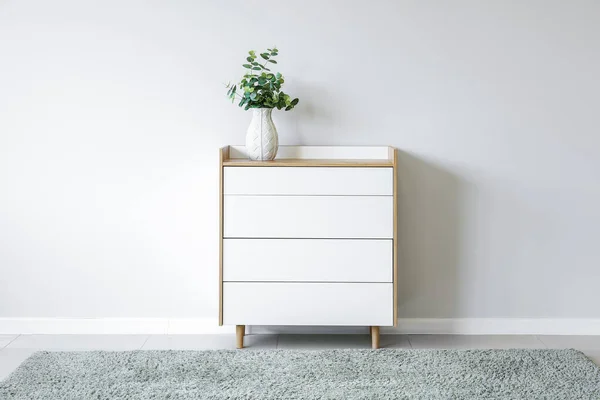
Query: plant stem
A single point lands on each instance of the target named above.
(266, 62)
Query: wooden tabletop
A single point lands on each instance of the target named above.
(296, 162)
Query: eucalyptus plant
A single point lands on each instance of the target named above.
(259, 87)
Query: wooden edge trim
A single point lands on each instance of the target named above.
(223, 155)
(395, 241)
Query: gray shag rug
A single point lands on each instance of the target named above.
(292, 374)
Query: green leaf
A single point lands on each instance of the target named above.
(252, 53)
(242, 101)
(256, 68)
(294, 102)
(247, 66)
(264, 55)
(272, 61)
(266, 69)
(247, 107)
(278, 75)
(288, 108)
(249, 59)
(253, 96)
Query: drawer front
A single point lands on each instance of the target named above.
(308, 217)
(307, 260)
(308, 181)
(346, 304)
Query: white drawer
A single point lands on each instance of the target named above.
(308, 181)
(308, 217)
(307, 260)
(365, 304)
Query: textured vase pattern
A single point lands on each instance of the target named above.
(261, 140)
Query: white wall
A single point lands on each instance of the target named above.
(111, 113)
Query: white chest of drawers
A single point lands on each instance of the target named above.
(309, 238)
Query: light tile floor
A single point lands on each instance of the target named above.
(5, 340)
(14, 349)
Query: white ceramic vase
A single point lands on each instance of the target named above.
(261, 139)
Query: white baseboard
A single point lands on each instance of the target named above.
(497, 326)
(107, 326)
(162, 326)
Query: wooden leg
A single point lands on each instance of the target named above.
(240, 331)
(370, 330)
(375, 337)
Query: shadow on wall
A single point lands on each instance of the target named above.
(429, 229)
